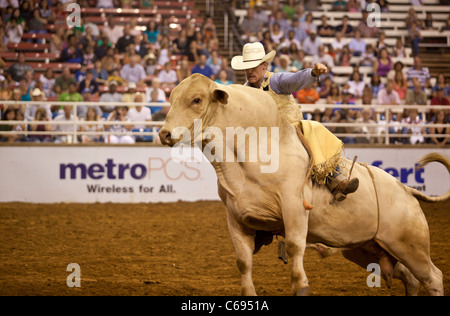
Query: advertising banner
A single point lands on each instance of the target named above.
(150, 174)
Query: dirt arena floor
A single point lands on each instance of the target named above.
(165, 249)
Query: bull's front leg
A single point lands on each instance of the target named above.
(295, 219)
(244, 244)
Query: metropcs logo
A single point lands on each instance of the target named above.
(156, 166)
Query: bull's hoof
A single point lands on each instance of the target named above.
(306, 291)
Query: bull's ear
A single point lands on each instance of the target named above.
(220, 96)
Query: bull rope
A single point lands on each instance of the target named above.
(306, 204)
(376, 195)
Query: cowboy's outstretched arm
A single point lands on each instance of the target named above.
(287, 82)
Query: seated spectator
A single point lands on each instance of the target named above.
(419, 72)
(133, 71)
(155, 94)
(139, 113)
(323, 58)
(400, 85)
(82, 109)
(67, 115)
(357, 45)
(37, 24)
(100, 75)
(30, 110)
(308, 25)
(311, 44)
(376, 85)
(203, 68)
(8, 115)
(335, 95)
(251, 27)
(113, 31)
(62, 82)
(90, 116)
(367, 31)
(368, 58)
(398, 68)
(345, 28)
(89, 83)
(41, 115)
(353, 6)
(152, 33)
(184, 71)
(325, 87)
(214, 61)
(440, 118)
(325, 30)
(276, 35)
(345, 57)
(416, 131)
(25, 90)
(344, 116)
(72, 54)
(399, 49)
(125, 40)
(72, 95)
(393, 129)
(115, 76)
(416, 96)
(340, 5)
(222, 78)
(308, 95)
(117, 118)
(439, 98)
(131, 93)
(151, 67)
(366, 130)
(18, 69)
(285, 64)
(383, 64)
(387, 95)
(356, 85)
(111, 96)
(168, 76)
(48, 81)
(13, 32)
(180, 45)
(440, 83)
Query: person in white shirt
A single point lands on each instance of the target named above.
(155, 86)
(113, 31)
(67, 115)
(133, 72)
(13, 32)
(387, 95)
(30, 110)
(168, 76)
(139, 113)
(357, 85)
(323, 58)
(312, 43)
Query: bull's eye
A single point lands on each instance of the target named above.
(196, 101)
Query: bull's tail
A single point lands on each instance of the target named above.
(433, 157)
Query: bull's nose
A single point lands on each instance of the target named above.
(164, 136)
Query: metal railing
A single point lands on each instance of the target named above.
(382, 130)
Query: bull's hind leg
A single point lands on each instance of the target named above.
(364, 257)
(411, 246)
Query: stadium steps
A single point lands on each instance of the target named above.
(219, 13)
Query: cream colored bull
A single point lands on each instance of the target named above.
(382, 222)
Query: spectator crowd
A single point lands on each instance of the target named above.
(134, 63)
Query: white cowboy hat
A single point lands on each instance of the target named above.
(253, 55)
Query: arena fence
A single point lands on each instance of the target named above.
(381, 129)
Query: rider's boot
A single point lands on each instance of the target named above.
(340, 186)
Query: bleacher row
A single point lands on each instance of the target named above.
(37, 55)
(393, 25)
